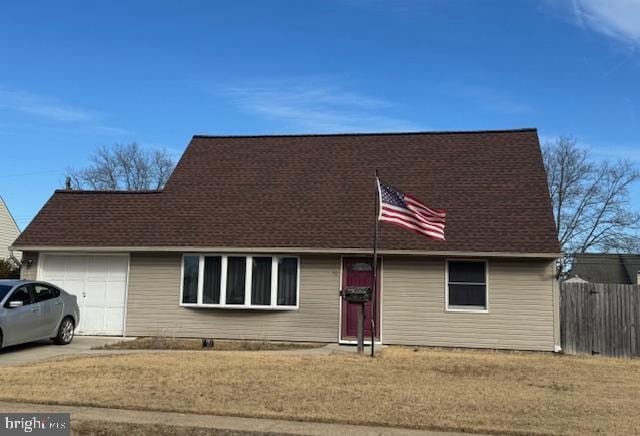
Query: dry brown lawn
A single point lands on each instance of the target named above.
(106, 428)
(491, 392)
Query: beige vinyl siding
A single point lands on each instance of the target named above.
(153, 309)
(521, 306)
(8, 231)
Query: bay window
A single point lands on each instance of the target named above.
(240, 281)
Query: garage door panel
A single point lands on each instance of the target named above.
(118, 267)
(95, 294)
(97, 268)
(76, 267)
(94, 320)
(98, 281)
(55, 267)
(75, 287)
(113, 320)
(115, 294)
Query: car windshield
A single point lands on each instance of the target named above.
(4, 290)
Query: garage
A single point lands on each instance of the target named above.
(98, 281)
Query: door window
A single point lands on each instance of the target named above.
(44, 293)
(23, 293)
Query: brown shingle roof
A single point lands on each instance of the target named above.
(317, 191)
(606, 268)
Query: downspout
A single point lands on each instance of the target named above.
(555, 286)
(15, 260)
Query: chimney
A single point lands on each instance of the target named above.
(67, 183)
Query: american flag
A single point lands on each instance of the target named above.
(406, 211)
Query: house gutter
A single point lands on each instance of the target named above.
(298, 250)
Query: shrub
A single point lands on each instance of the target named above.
(8, 269)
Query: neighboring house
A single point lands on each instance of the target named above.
(605, 268)
(254, 236)
(9, 230)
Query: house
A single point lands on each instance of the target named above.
(254, 236)
(605, 268)
(9, 230)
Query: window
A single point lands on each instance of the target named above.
(212, 275)
(4, 290)
(236, 274)
(287, 281)
(261, 281)
(44, 293)
(240, 282)
(467, 285)
(191, 267)
(23, 293)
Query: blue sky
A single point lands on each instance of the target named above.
(76, 75)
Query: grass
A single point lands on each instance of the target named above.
(525, 393)
(105, 428)
(164, 343)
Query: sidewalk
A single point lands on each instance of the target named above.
(214, 423)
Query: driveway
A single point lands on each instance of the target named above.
(46, 349)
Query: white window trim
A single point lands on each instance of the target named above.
(469, 309)
(248, 279)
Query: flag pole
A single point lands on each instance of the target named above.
(375, 265)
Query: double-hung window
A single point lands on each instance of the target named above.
(240, 281)
(467, 285)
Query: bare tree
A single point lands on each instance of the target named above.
(124, 167)
(591, 201)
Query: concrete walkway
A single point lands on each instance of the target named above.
(46, 349)
(213, 422)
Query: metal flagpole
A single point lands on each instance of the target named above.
(375, 266)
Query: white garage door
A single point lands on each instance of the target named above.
(99, 282)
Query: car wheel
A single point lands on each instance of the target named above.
(65, 332)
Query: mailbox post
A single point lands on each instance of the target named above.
(358, 296)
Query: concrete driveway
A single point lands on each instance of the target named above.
(45, 350)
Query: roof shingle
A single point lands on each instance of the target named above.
(317, 191)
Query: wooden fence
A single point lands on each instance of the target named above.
(600, 319)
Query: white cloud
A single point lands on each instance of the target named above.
(50, 109)
(42, 107)
(619, 19)
(314, 106)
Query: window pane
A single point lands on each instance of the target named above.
(467, 295)
(212, 273)
(190, 280)
(287, 281)
(261, 281)
(43, 293)
(21, 294)
(467, 272)
(4, 290)
(236, 271)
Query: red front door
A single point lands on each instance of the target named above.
(359, 272)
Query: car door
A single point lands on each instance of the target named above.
(21, 322)
(50, 308)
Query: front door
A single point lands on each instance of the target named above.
(359, 272)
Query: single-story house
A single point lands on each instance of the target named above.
(253, 237)
(622, 269)
(9, 230)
